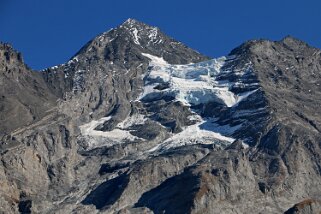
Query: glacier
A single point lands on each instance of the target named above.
(190, 84)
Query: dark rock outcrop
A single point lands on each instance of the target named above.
(308, 206)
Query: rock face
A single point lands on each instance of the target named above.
(24, 95)
(306, 206)
(137, 122)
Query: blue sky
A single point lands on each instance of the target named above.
(49, 32)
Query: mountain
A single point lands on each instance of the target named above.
(136, 122)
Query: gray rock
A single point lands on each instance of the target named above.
(48, 164)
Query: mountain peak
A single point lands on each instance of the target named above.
(133, 23)
(10, 54)
(262, 45)
(293, 42)
(133, 37)
(290, 38)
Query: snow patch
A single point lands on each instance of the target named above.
(136, 119)
(155, 60)
(135, 35)
(245, 146)
(153, 36)
(88, 128)
(197, 134)
(72, 61)
(191, 84)
(96, 138)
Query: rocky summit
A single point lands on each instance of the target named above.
(137, 122)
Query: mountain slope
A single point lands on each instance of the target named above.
(282, 166)
(143, 123)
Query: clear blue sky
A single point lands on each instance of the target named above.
(49, 32)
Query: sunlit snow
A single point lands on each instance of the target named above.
(96, 138)
(191, 84)
(195, 134)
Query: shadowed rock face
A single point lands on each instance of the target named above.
(137, 122)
